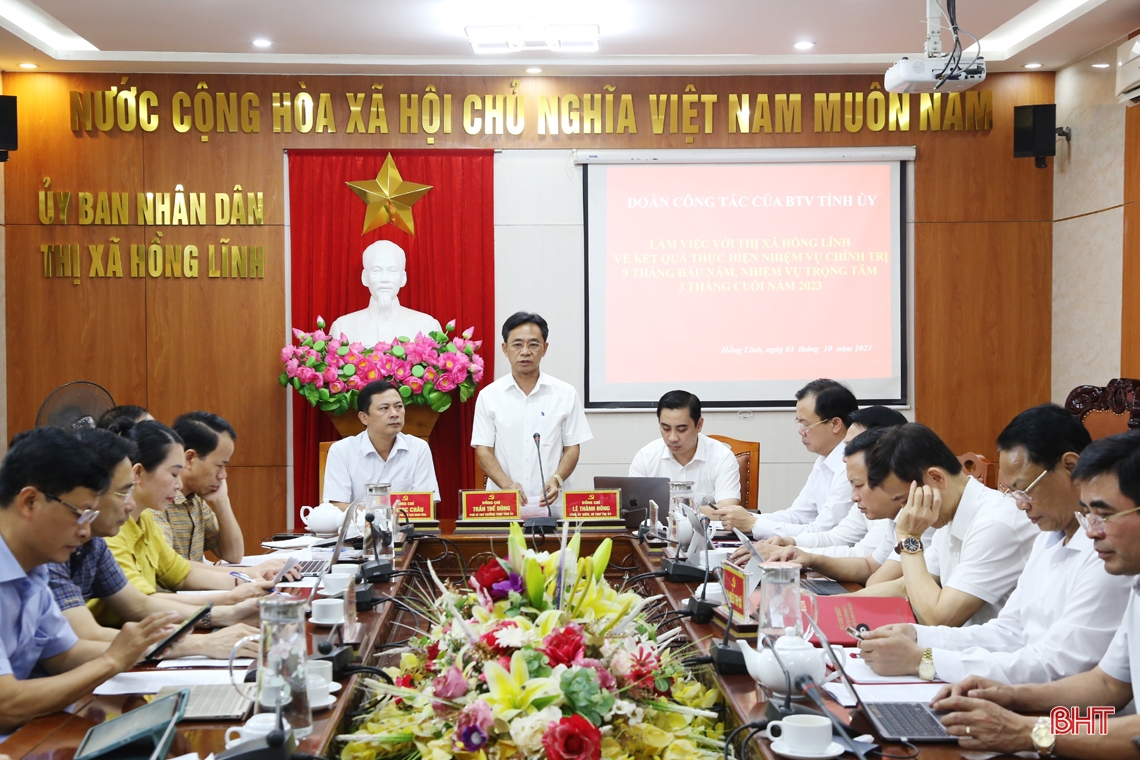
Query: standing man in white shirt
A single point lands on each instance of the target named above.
(981, 540)
(527, 415)
(981, 710)
(683, 452)
(381, 454)
(823, 412)
(1065, 610)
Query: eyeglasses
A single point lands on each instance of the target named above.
(1022, 495)
(1091, 523)
(533, 345)
(126, 495)
(83, 516)
(804, 428)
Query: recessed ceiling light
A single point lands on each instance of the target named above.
(1033, 65)
(261, 42)
(534, 70)
(804, 45)
(1101, 65)
(28, 66)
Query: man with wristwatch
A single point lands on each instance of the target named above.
(981, 540)
(1065, 610)
(984, 713)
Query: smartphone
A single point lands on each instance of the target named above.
(290, 563)
(855, 633)
(186, 627)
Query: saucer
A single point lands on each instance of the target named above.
(323, 592)
(330, 700)
(325, 534)
(781, 748)
(334, 687)
(327, 623)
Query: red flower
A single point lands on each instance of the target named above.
(573, 738)
(489, 574)
(564, 647)
(492, 641)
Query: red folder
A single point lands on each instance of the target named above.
(835, 613)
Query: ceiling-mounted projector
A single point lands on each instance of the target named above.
(933, 71)
(933, 75)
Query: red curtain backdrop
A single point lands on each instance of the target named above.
(451, 275)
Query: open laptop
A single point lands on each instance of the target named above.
(314, 568)
(636, 493)
(893, 721)
(216, 701)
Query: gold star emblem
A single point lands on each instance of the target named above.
(389, 198)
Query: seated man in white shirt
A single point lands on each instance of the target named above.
(381, 454)
(981, 541)
(854, 536)
(1065, 610)
(879, 509)
(527, 415)
(683, 452)
(981, 710)
(823, 411)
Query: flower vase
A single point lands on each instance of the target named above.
(418, 421)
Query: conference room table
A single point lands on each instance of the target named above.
(56, 737)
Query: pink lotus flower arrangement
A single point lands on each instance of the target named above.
(330, 371)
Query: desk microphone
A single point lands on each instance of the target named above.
(548, 524)
(703, 610)
(333, 650)
(375, 570)
(726, 655)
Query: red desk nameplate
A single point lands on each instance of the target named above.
(415, 506)
(734, 580)
(592, 505)
(490, 505)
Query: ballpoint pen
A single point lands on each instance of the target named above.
(242, 577)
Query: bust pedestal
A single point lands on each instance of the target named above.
(418, 421)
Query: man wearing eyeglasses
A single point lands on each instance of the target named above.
(49, 486)
(823, 412)
(91, 572)
(983, 712)
(529, 426)
(980, 544)
(1065, 610)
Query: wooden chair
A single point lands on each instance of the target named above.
(977, 466)
(322, 457)
(1106, 411)
(748, 457)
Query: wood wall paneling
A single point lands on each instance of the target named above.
(59, 332)
(258, 495)
(983, 295)
(214, 343)
(1130, 302)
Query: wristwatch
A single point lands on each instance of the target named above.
(558, 479)
(926, 665)
(909, 545)
(1043, 740)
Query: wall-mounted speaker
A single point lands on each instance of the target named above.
(1035, 132)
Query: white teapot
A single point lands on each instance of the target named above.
(325, 518)
(798, 656)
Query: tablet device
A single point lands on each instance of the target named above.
(187, 626)
(138, 733)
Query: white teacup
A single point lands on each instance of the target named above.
(335, 583)
(255, 728)
(807, 734)
(319, 669)
(318, 689)
(716, 557)
(327, 611)
(345, 567)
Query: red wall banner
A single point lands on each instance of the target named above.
(450, 268)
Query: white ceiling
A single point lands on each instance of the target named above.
(637, 36)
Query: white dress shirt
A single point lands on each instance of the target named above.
(353, 463)
(713, 469)
(1122, 660)
(824, 500)
(506, 419)
(852, 530)
(983, 549)
(1058, 621)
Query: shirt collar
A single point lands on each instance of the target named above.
(512, 383)
(367, 448)
(131, 530)
(967, 508)
(834, 460)
(10, 569)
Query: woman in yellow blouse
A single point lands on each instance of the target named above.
(148, 561)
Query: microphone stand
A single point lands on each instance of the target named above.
(542, 525)
(336, 652)
(375, 570)
(726, 655)
(775, 711)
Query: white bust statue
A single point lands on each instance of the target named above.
(384, 319)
